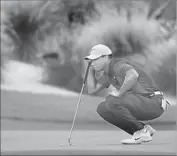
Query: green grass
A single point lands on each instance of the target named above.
(48, 108)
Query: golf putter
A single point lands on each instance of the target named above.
(80, 96)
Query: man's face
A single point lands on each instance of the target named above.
(98, 64)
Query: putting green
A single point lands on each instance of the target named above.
(28, 110)
(83, 142)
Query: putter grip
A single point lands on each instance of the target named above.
(86, 73)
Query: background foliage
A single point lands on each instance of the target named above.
(142, 31)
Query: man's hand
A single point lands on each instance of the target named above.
(114, 92)
(89, 61)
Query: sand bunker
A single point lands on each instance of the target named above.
(23, 77)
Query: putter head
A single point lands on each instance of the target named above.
(69, 141)
(65, 144)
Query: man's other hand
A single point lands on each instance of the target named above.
(114, 92)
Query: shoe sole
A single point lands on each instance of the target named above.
(137, 143)
(140, 141)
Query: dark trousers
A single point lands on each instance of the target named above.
(128, 111)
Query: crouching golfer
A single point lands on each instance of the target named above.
(134, 96)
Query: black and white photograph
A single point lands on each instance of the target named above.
(88, 77)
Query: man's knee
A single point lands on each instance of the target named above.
(101, 108)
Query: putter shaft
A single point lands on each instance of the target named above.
(70, 134)
(85, 78)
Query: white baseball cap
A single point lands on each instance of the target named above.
(98, 51)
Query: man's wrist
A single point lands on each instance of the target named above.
(121, 93)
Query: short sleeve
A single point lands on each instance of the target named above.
(103, 79)
(121, 68)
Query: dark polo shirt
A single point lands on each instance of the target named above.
(117, 72)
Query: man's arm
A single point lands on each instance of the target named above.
(129, 81)
(97, 89)
(130, 76)
(92, 84)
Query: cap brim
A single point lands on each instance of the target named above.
(92, 57)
